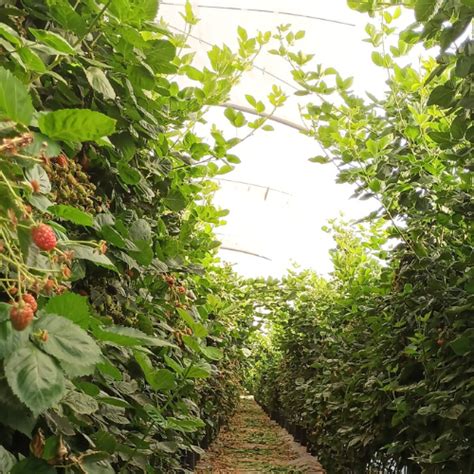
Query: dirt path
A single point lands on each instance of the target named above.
(253, 443)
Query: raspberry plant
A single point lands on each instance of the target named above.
(106, 221)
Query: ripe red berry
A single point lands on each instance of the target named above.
(181, 290)
(21, 316)
(30, 299)
(44, 237)
(61, 160)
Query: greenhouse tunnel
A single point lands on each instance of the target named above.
(236, 237)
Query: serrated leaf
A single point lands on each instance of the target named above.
(319, 159)
(199, 372)
(186, 425)
(129, 337)
(104, 441)
(175, 201)
(7, 460)
(191, 343)
(173, 364)
(10, 34)
(38, 174)
(35, 378)
(76, 125)
(92, 255)
(71, 214)
(10, 340)
(106, 368)
(53, 40)
(67, 341)
(71, 306)
(140, 230)
(4, 312)
(159, 54)
(463, 344)
(81, 403)
(99, 82)
(128, 174)
(15, 102)
(424, 9)
(33, 466)
(163, 379)
(212, 353)
(441, 96)
(15, 414)
(32, 60)
(134, 11)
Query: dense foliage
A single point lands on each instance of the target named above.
(377, 363)
(122, 341)
(119, 350)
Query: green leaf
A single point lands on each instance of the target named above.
(140, 230)
(186, 425)
(4, 312)
(199, 372)
(319, 159)
(10, 34)
(72, 214)
(67, 341)
(442, 96)
(193, 73)
(99, 82)
(377, 59)
(163, 379)
(32, 60)
(80, 403)
(15, 102)
(85, 252)
(175, 201)
(33, 466)
(77, 125)
(10, 340)
(159, 54)
(106, 368)
(424, 9)
(191, 343)
(463, 344)
(212, 353)
(37, 173)
(43, 144)
(53, 40)
(173, 364)
(66, 16)
(71, 306)
(7, 460)
(134, 11)
(129, 337)
(104, 441)
(35, 378)
(128, 174)
(15, 414)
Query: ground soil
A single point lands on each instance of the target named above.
(252, 443)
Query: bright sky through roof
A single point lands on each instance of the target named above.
(278, 200)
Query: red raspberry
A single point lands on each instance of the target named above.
(181, 290)
(44, 237)
(21, 316)
(28, 298)
(61, 160)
